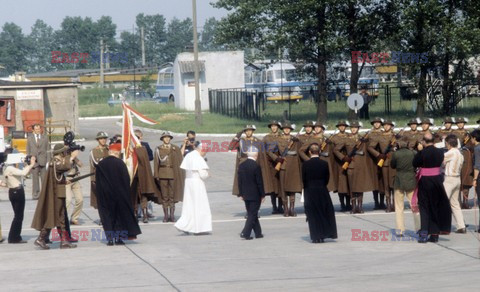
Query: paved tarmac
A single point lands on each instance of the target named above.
(163, 259)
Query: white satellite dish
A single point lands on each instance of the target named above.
(355, 102)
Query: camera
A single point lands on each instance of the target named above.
(191, 140)
(68, 141)
(27, 159)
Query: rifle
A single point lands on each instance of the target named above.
(290, 145)
(355, 149)
(390, 146)
(81, 177)
(326, 141)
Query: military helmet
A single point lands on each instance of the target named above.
(101, 135)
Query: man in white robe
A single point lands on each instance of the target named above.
(196, 217)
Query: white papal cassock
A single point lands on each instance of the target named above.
(196, 216)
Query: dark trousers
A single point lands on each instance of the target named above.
(364, 112)
(252, 222)
(17, 198)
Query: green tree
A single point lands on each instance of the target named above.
(13, 48)
(207, 36)
(40, 44)
(307, 28)
(155, 36)
(179, 36)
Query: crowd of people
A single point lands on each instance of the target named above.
(433, 171)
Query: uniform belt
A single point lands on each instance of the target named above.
(359, 153)
(292, 153)
(20, 187)
(165, 166)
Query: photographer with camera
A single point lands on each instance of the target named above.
(74, 190)
(16, 193)
(188, 143)
(50, 211)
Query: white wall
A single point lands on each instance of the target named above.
(222, 70)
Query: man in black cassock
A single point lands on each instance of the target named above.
(433, 202)
(113, 197)
(317, 202)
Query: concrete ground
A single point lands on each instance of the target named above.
(163, 259)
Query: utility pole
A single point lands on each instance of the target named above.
(198, 104)
(107, 57)
(102, 77)
(142, 35)
(134, 68)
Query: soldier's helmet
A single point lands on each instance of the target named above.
(101, 135)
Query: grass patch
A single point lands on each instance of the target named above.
(96, 95)
(146, 108)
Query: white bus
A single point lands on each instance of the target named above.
(164, 88)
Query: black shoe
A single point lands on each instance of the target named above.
(110, 243)
(18, 241)
(433, 238)
(119, 242)
(2, 240)
(321, 240)
(280, 210)
(377, 206)
(244, 237)
(461, 230)
(383, 206)
(423, 240)
(274, 210)
(343, 209)
(259, 236)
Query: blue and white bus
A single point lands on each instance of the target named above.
(276, 81)
(164, 88)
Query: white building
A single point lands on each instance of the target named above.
(218, 70)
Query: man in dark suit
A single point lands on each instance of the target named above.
(37, 145)
(250, 184)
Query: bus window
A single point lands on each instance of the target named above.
(257, 77)
(270, 76)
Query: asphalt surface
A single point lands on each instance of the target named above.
(163, 259)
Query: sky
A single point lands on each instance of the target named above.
(24, 13)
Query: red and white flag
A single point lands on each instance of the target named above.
(129, 140)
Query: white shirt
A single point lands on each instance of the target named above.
(14, 175)
(453, 162)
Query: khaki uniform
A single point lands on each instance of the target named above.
(50, 210)
(169, 176)
(371, 161)
(377, 146)
(467, 151)
(359, 178)
(74, 191)
(290, 172)
(96, 155)
(414, 138)
(339, 173)
(271, 180)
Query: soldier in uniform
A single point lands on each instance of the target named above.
(168, 176)
(241, 145)
(380, 148)
(270, 142)
(467, 150)
(355, 164)
(50, 210)
(340, 175)
(96, 155)
(426, 124)
(289, 167)
(324, 143)
(445, 130)
(306, 140)
(375, 174)
(413, 136)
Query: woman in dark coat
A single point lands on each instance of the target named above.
(317, 201)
